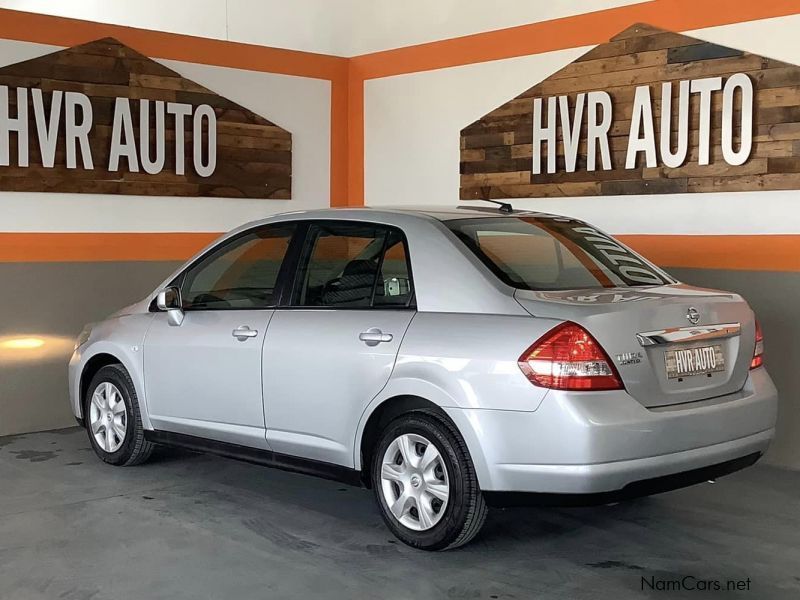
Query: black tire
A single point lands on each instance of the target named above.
(465, 511)
(134, 449)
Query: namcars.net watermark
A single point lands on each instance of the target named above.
(691, 583)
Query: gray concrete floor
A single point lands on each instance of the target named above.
(194, 527)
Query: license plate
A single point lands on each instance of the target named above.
(685, 362)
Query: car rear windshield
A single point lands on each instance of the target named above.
(554, 253)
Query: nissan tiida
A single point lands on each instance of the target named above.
(448, 359)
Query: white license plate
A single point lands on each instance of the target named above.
(685, 362)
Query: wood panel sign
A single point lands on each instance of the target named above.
(101, 118)
(649, 112)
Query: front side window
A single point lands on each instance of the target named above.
(353, 265)
(240, 275)
(554, 253)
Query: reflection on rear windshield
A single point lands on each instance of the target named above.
(554, 253)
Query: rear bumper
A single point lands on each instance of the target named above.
(597, 442)
(637, 489)
(627, 477)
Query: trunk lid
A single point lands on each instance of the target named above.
(641, 327)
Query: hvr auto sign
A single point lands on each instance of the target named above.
(70, 118)
(593, 114)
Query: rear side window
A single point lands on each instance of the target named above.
(242, 274)
(550, 253)
(353, 265)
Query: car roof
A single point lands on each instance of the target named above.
(440, 213)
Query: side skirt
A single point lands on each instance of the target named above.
(257, 456)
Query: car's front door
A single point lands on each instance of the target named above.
(203, 377)
(332, 349)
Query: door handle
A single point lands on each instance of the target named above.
(374, 336)
(244, 332)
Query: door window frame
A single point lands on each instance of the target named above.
(301, 238)
(284, 274)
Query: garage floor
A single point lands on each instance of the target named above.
(197, 527)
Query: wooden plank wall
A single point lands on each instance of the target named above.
(496, 149)
(254, 156)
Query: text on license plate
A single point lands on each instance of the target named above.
(694, 361)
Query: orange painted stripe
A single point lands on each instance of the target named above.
(101, 247)
(727, 252)
(340, 116)
(724, 252)
(355, 137)
(546, 36)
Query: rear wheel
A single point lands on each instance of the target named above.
(425, 483)
(113, 419)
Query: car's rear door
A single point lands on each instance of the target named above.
(203, 377)
(332, 347)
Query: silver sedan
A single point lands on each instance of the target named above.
(448, 359)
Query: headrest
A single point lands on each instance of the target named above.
(359, 267)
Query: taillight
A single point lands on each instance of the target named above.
(758, 351)
(568, 358)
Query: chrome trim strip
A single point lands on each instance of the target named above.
(688, 334)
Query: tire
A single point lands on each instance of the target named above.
(128, 446)
(461, 516)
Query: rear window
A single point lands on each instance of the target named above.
(550, 253)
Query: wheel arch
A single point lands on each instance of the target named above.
(90, 369)
(383, 412)
(99, 355)
(379, 418)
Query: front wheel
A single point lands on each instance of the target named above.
(425, 483)
(113, 419)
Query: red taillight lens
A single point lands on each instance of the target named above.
(758, 352)
(568, 358)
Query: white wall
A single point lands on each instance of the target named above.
(384, 24)
(310, 25)
(324, 26)
(203, 18)
(339, 27)
(412, 123)
(298, 104)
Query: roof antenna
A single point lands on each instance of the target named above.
(503, 206)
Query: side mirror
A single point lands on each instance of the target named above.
(169, 300)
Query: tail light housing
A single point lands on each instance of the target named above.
(758, 351)
(568, 358)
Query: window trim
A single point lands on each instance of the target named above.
(301, 235)
(280, 283)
